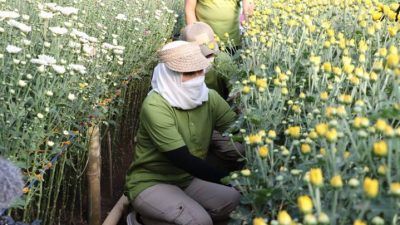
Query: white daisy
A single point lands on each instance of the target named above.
(49, 93)
(67, 10)
(59, 69)
(79, 68)
(9, 15)
(23, 27)
(50, 143)
(46, 15)
(22, 83)
(40, 116)
(121, 17)
(58, 30)
(45, 60)
(13, 49)
(71, 97)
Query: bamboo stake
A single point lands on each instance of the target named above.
(115, 215)
(93, 175)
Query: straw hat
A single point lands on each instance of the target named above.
(201, 34)
(182, 56)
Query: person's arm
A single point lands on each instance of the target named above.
(248, 8)
(197, 167)
(190, 11)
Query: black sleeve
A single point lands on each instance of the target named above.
(197, 167)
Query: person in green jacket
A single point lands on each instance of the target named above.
(221, 15)
(169, 181)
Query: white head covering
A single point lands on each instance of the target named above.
(184, 95)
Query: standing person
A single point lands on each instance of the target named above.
(169, 182)
(221, 15)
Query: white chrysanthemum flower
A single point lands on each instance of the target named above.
(52, 6)
(40, 116)
(58, 30)
(79, 68)
(45, 60)
(46, 15)
(90, 50)
(25, 17)
(22, 83)
(9, 15)
(29, 76)
(65, 132)
(121, 17)
(41, 69)
(23, 27)
(26, 42)
(49, 93)
(67, 11)
(2, 30)
(59, 69)
(118, 51)
(80, 34)
(1, 56)
(71, 97)
(13, 49)
(107, 46)
(50, 143)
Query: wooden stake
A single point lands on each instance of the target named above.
(93, 175)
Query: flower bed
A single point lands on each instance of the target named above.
(321, 106)
(62, 65)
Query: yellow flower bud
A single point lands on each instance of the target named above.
(395, 189)
(272, 134)
(324, 96)
(305, 148)
(253, 78)
(392, 60)
(263, 151)
(313, 135)
(336, 181)
(294, 132)
(371, 187)
(284, 218)
(316, 177)
(321, 129)
(327, 67)
(323, 218)
(246, 172)
(246, 90)
(259, 221)
(359, 222)
(382, 170)
(331, 135)
(305, 204)
(380, 148)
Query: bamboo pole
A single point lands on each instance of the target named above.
(93, 175)
(115, 215)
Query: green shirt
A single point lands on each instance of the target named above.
(217, 83)
(222, 16)
(164, 128)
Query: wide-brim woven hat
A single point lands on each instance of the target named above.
(182, 56)
(201, 34)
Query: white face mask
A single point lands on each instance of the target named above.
(194, 87)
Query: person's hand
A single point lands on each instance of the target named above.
(248, 8)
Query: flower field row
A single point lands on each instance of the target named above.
(321, 113)
(62, 64)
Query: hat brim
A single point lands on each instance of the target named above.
(184, 65)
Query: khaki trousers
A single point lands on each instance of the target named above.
(201, 203)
